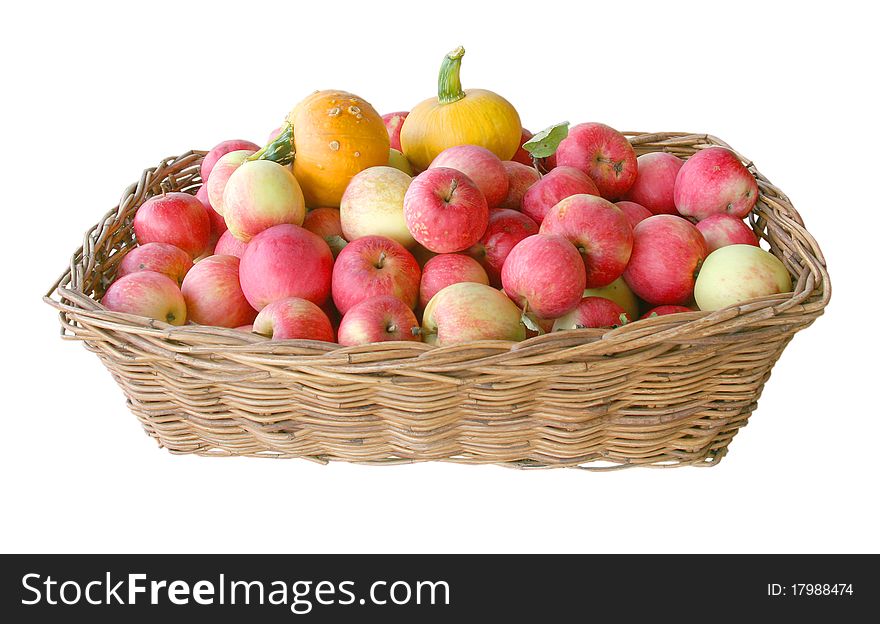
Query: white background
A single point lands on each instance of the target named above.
(93, 94)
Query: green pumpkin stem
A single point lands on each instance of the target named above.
(449, 83)
(280, 149)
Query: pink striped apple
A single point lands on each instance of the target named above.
(293, 318)
(213, 295)
(655, 183)
(178, 219)
(551, 189)
(147, 293)
(378, 319)
(446, 269)
(371, 266)
(714, 181)
(602, 153)
(159, 257)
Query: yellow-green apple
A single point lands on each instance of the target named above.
(737, 273)
(667, 254)
(602, 153)
(260, 194)
(293, 318)
(618, 292)
(593, 312)
(178, 219)
(372, 205)
(220, 173)
(544, 275)
(505, 229)
(285, 261)
(228, 245)
(213, 296)
(635, 213)
(371, 266)
(551, 189)
(326, 223)
(218, 223)
(663, 310)
(714, 181)
(481, 166)
(655, 183)
(378, 319)
(147, 293)
(397, 160)
(468, 311)
(159, 257)
(445, 269)
(522, 156)
(600, 232)
(721, 230)
(444, 210)
(220, 150)
(393, 124)
(519, 178)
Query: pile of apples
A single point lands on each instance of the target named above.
(473, 247)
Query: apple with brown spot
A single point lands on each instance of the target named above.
(159, 257)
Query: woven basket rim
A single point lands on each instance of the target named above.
(810, 295)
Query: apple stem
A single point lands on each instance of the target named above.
(449, 82)
(452, 186)
(280, 149)
(381, 261)
(391, 328)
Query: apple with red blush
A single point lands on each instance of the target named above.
(520, 178)
(447, 269)
(220, 174)
(326, 223)
(654, 185)
(220, 150)
(212, 291)
(371, 266)
(378, 319)
(228, 245)
(159, 257)
(260, 194)
(593, 312)
(721, 230)
(552, 188)
(663, 310)
(178, 219)
(285, 261)
(393, 124)
(149, 294)
(293, 318)
(635, 213)
(602, 153)
(504, 230)
(480, 165)
(467, 311)
(714, 181)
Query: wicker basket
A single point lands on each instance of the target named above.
(667, 391)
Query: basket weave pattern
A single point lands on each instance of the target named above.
(667, 391)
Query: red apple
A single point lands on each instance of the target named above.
(260, 194)
(544, 275)
(655, 182)
(220, 174)
(378, 319)
(522, 156)
(506, 228)
(666, 257)
(326, 223)
(551, 189)
(228, 245)
(445, 269)
(285, 261)
(293, 318)
(635, 213)
(220, 150)
(178, 219)
(218, 223)
(593, 312)
(599, 230)
(602, 153)
(721, 230)
(147, 293)
(371, 266)
(520, 178)
(213, 296)
(393, 124)
(468, 311)
(481, 166)
(372, 205)
(664, 310)
(444, 210)
(159, 257)
(714, 181)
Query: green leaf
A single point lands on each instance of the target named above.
(544, 143)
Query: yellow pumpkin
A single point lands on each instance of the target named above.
(459, 117)
(331, 136)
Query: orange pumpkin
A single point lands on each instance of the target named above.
(331, 136)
